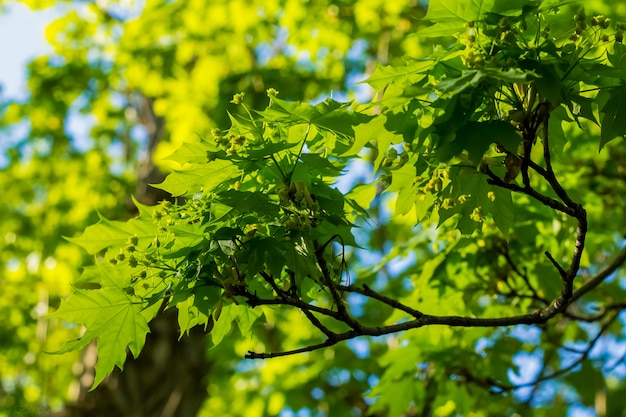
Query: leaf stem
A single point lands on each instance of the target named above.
(306, 134)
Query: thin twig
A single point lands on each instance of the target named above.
(531, 192)
(368, 292)
(549, 171)
(254, 301)
(505, 252)
(562, 371)
(538, 317)
(270, 280)
(332, 287)
(315, 321)
(557, 265)
(617, 263)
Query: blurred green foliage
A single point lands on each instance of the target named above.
(130, 68)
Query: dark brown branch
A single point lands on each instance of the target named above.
(604, 310)
(557, 265)
(332, 287)
(528, 139)
(575, 210)
(534, 294)
(601, 276)
(254, 301)
(531, 192)
(557, 306)
(541, 316)
(549, 172)
(568, 206)
(368, 292)
(254, 355)
(538, 168)
(270, 280)
(329, 241)
(538, 317)
(314, 320)
(581, 233)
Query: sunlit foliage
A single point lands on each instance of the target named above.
(471, 213)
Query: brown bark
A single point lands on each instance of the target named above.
(167, 380)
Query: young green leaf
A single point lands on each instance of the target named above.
(112, 316)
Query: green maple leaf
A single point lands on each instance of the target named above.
(493, 201)
(244, 316)
(107, 233)
(193, 152)
(408, 74)
(472, 10)
(112, 316)
(193, 178)
(450, 16)
(329, 115)
(613, 116)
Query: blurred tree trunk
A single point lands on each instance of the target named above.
(169, 379)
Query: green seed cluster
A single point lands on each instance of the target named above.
(477, 215)
(503, 33)
(233, 144)
(300, 205)
(598, 22)
(238, 98)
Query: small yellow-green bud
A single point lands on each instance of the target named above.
(238, 98)
(448, 203)
(477, 215)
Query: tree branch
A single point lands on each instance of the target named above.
(558, 266)
(254, 355)
(368, 292)
(558, 305)
(601, 276)
(534, 294)
(548, 174)
(531, 192)
(314, 320)
(332, 287)
(538, 317)
(562, 371)
(254, 301)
